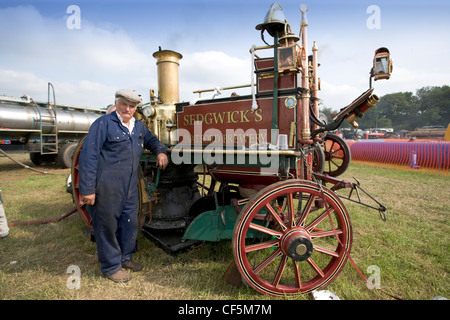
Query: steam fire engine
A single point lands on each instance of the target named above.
(259, 169)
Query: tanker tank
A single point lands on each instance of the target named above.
(50, 133)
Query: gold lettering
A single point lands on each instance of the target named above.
(192, 119)
(232, 117)
(218, 117)
(244, 116)
(258, 115)
(228, 139)
(237, 116)
(229, 117)
(208, 118)
(262, 138)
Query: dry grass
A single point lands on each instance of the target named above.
(411, 248)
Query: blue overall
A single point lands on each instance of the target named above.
(108, 167)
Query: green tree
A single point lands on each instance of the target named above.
(434, 105)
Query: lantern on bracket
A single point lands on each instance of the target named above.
(382, 64)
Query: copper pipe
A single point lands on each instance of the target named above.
(315, 92)
(305, 132)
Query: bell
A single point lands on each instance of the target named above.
(274, 20)
(289, 37)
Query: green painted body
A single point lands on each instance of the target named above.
(213, 225)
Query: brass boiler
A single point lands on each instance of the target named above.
(162, 115)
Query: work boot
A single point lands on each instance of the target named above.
(120, 276)
(133, 266)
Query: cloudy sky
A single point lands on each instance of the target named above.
(112, 45)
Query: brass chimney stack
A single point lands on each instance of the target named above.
(168, 87)
(161, 115)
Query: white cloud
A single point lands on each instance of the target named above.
(337, 95)
(404, 79)
(30, 84)
(85, 66)
(17, 84)
(210, 69)
(88, 65)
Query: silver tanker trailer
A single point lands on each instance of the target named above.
(49, 132)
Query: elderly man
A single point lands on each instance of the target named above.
(108, 168)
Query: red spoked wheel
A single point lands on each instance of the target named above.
(82, 210)
(337, 155)
(296, 250)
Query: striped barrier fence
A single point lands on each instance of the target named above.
(428, 156)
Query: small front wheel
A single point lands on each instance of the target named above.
(337, 155)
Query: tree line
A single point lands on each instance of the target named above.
(430, 106)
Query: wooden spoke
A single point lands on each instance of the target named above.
(261, 246)
(319, 219)
(307, 210)
(326, 251)
(325, 233)
(316, 268)
(265, 230)
(267, 261)
(276, 216)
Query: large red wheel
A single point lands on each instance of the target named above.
(294, 250)
(337, 155)
(82, 210)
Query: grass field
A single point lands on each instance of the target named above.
(410, 250)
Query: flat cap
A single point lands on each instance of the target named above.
(129, 95)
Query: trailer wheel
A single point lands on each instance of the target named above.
(282, 252)
(40, 159)
(65, 155)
